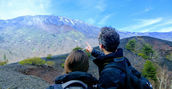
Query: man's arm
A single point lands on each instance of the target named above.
(93, 52)
(97, 53)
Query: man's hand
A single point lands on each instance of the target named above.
(89, 48)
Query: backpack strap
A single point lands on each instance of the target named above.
(66, 84)
(116, 65)
(124, 69)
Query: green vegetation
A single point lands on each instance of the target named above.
(62, 65)
(33, 61)
(5, 58)
(169, 56)
(50, 63)
(146, 52)
(36, 61)
(143, 55)
(3, 63)
(77, 48)
(131, 45)
(88, 53)
(149, 70)
(49, 56)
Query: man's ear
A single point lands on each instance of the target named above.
(101, 46)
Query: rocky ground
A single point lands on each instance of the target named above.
(16, 76)
(11, 78)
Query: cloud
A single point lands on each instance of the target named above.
(165, 24)
(145, 10)
(104, 19)
(90, 21)
(14, 8)
(142, 24)
(150, 25)
(101, 5)
(167, 29)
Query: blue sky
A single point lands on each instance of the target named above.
(124, 15)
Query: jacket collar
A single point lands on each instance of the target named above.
(82, 76)
(109, 57)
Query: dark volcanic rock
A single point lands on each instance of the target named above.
(12, 79)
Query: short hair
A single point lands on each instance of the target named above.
(76, 61)
(109, 38)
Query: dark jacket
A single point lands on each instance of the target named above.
(110, 77)
(82, 76)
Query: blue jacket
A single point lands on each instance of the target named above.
(110, 77)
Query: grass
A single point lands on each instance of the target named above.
(50, 63)
(169, 57)
(49, 56)
(33, 61)
(3, 63)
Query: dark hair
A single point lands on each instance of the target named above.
(109, 38)
(76, 61)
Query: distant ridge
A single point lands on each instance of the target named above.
(40, 35)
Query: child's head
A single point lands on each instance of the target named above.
(76, 61)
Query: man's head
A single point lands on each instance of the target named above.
(109, 39)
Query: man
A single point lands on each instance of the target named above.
(115, 70)
(110, 78)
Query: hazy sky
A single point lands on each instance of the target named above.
(124, 15)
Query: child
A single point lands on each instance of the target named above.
(76, 77)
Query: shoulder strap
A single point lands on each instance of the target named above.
(124, 69)
(116, 65)
(66, 84)
(55, 86)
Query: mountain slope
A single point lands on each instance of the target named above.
(29, 36)
(162, 48)
(160, 35)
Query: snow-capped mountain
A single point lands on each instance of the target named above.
(29, 36)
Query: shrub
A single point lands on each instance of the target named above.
(77, 48)
(147, 50)
(169, 57)
(50, 63)
(33, 61)
(5, 58)
(3, 63)
(149, 70)
(88, 53)
(131, 45)
(62, 65)
(49, 56)
(143, 55)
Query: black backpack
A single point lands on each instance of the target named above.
(72, 84)
(134, 79)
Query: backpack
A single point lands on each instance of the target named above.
(72, 84)
(134, 79)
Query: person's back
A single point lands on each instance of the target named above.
(76, 77)
(113, 66)
(110, 76)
